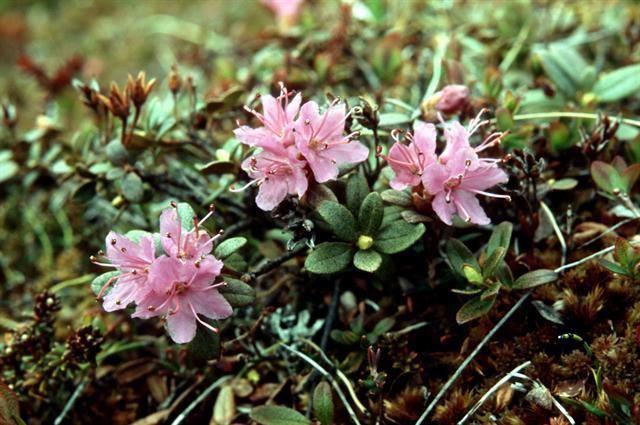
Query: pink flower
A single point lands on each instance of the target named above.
(132, 261)
(277, 172)
(320, 139)
(182, 243)
(459, 175)
(181, 290)
(452, 99)
(277, 118)
(285, 10)
(409, 161)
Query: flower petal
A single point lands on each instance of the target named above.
(182, 325)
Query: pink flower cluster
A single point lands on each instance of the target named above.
(177, 285)
(454, 177)
(296, 143)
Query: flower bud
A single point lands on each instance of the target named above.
(453, 99)
(175, 81)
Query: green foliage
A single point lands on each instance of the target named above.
(489, 275)
(378, 231)
(615, 178)
(323, 403)
(626, 260)
(229, 246)
(329, 257)
(237, 293)
(278, 415)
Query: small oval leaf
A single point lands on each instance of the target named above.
(278, 415)
(535, 278)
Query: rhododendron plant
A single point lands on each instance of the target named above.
(454, 177)
(178, 285)
(132, 262)
(297, 144)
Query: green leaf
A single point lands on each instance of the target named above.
(206, 344)
(472, 275)
(535, 278)
(116, 152)
(629, 176)
(613, 267)
(563, 184)
(339, 219)
(559, 71)
(357, 190)
(548, 312)
(616, 85)
(323, 403)
(345, 337)
(398, 236)
(459, 255)
(229, 246)
(8, 169)
(101, 280)
(624, 253)
(132, 188)
(383, 326)
(217, 167)
(396, 197)
(186, 214)
(368, 261)
(393, 119)
(85, 192)
(493, 261)
(238, 293)
(317, 194)
(235, 262)
(607, 177)
(474, 308)
(278, 415)
(9, 406)
(559, 136)
(329, 257)
(392, 214)
(500, 237)
(371, 214)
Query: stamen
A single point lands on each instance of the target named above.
(490, 195)
(176, 308)
(245, 187)
(202, 322)
(395, 134)
(215, 286)
(462, 210)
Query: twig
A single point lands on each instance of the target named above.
(343, 378)
(591, 257)
(182, 416)
(70, 402)
(408, 329)
(468, 360)
(331, 315)
(581, 115)
(328, 324)
(328, 376)
(495, 329)
(556, 229)
(609, 230)
(272, 264)
(555, 402)
(492, 390)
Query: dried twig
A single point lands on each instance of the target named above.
(492, 390)
(471, 356)
(329, 377)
